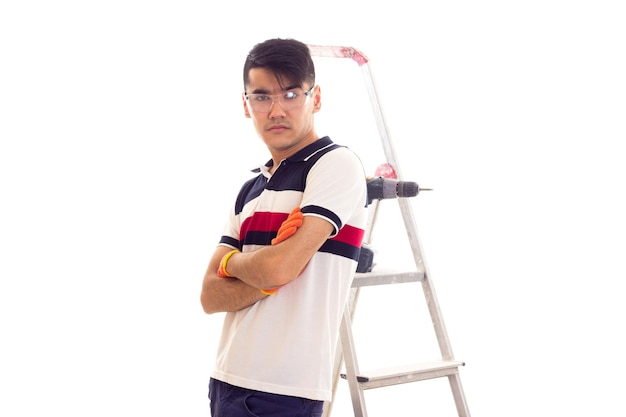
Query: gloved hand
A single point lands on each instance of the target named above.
(285, 231)
(289, 226)
(221, 270)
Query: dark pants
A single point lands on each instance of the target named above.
(231, 401)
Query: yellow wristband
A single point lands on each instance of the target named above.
(225, 260)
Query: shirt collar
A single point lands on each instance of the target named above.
(302, 155)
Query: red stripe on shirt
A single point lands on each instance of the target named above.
(263, 221)
(350, 235)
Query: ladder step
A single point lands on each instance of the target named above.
(385, 276)
(408, 373)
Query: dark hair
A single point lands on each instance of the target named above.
(290, 60)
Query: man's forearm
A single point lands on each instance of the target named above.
(228, 294)
(264, 268)
(225, 294)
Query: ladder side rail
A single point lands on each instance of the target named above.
(459, 396)
(409, 219)
(351, 307)
(411, 228)
(352, 368)
(381, 123)
(339, 356)
(372, 217)
(427, 284)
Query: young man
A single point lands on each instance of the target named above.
(284, 266)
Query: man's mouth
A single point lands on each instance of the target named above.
(277, 128)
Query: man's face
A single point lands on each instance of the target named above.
(283, 117)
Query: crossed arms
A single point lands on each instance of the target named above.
(266, 268)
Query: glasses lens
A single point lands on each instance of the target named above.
(289, 100)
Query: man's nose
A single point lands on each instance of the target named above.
(276, 109)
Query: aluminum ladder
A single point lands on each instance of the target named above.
(447, 366)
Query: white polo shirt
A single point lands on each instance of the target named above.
(286, 343)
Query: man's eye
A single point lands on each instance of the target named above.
(290, 95)
(262, 97)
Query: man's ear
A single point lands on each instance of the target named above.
(317, 99)
(246, 112)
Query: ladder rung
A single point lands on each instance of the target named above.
(405, 374)
(383, 277)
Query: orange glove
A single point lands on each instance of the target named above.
(285, 231)
(289, 226)
(221, 271)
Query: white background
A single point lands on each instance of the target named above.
(123, 143)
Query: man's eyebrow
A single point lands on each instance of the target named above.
(264, 91)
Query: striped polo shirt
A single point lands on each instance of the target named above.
(285, 343)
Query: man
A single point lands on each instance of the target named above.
(284, 266)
